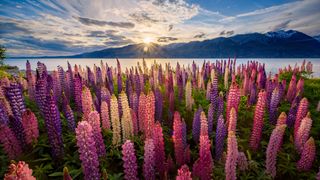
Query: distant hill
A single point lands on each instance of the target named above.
(279, 44)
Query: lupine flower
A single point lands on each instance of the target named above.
(233, 100)
(214, 91)
(15, 98)
(210, 118)
(142, 111)
(179, 147)
(30, 126)
(226, 78)
(303, 133)
(150, 112)
(159, 105)
(221, 133)
(149, 160)
(291, 89)
(203, 124)
(184, 173)
(220, 105)
(4, 118)
(11, 145)
(129, 161)
(242, 161)
(159, 149)
(233, 120)
(293, 111)
(196, 125)
(232, 156)
(87, 103)
(105, 119)
(253, 93)
(66, 175)
(274, 102)
(87, 150)
(18, 130)
(94, 120)
(70, 118)
(189, 100)
(134, 121)
(301, 113)
(274, 145)
(116, 129)
(258, 121)
(78, 92)
(19, 171)
(307, 156)
(282, 119)
(126, 121)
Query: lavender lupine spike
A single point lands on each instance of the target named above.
(293, 111)
(105, 117)
(210, 119)
(274, 102)
(10, 143)
(232, 156)
(274, 145)
(308, 155)
(87, 148)
(149, 160)
(158, 104)
(115, 120)
(196, 125)
(303, 133)
(129, 161)
(214, 92)
(17, 128)
(4, 118)
(15, 98)
(253, 92)
(159, 149)
(41, 92)
(258, 121)
(30, 126)
(184, 173)
(70, 118)
(78, 92)
(301, 113)
(221, 133)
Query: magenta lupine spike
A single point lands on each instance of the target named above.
(205, 162)
(258, 121)
(303, 133)
(274, 102)
(150, 112)
(94, 120)
(159, 105)
(178, 139)
(184, 173)
(30, 126)
(142, 112)
(233, 120)
(149, 160)
(19, 171)
(221, 133)
(242, 161)
(308, 155)
(233, 100)
(129, 161)
(105, 117)
(292, 88)
(159, 149)
(78, 92)
(87, 103)
(232, 156)
(10, 143)
(196, 125)
(282, 119)
(87, 150)
(15, 98)
(274, 145)
(293, 111)
(301, 113)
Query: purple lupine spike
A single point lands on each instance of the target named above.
(62, 78)
(220, 105)
(214, 91)
(88, 152)
(158, 104)
(78, 92)
(196, 125)
(253, 95)
(159, 149)
(18, 130)
(134, 102)
(275, 100)
(129, 161)
(308, 155)
(110, 80)
(4, 118)
(10, 143)
(15, 98)
(210, 119)
(221, 133)
(70, 118)
(94, 120)
(41, 92)
(293, 111)
(53, 126)
(274, 145)
(149, 160)
(70, 80)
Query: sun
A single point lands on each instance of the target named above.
(147, 40)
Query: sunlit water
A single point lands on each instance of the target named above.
(272, 65)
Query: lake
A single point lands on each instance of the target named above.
(272, 65)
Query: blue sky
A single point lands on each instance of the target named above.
(67, 27)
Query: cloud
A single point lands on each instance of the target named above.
(143, 17)
(281, 26)
(166, 39)
(170, 27)
(226, 33)
(12, 27)
(201, 35)
(89, 22)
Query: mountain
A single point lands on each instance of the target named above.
(279, 44)
(317, 37)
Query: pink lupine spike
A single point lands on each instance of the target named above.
(142, 111)
(300, 85)
(307, 156)
(258, 121)
(205, 161)
(159, 149)
(129, 161)
(274, 145)
(301, 113)
(184, 173)
(105, 117)
(233, 100)
(134, 121)
(282, 119)
(204, 125)
(94, 120)
(149, 160)
(232, 156)
(30, 126)
(11, 145)
(303, 133)
(242, 161)
(177, 139)
(150, 112)
(292, 88)
(232, 120)
(87, 103)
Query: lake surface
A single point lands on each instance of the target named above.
(272, 65)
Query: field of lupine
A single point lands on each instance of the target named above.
(214, 121)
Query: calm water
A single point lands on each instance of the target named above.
(272, 65)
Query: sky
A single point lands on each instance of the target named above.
(68, 27)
